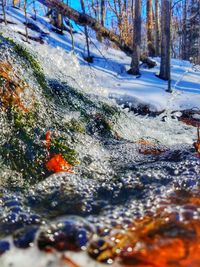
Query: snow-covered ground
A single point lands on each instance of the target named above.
(107, 74)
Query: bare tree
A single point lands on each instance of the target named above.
(34, 10)
(165, 39)
(3, 5)
(88, 58)
(103, 13)
(26, 19)
(184, 30)
(149, 26)
(157, 29)
(136, 40)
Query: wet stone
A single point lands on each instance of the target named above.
(15, 215)
(4, 246)
(23, 238)
(65, 234)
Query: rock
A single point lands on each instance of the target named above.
(4, 246)
(70, 233)
(23, 238)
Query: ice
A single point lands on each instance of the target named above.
(114, 183)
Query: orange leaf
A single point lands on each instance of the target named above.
(58, 164)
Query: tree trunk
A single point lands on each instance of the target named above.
(102, 12)
(26, 19)
(14, 2)
(34, 10)
(101, 18)
(136, 40)
(165, 40)
(57, 19)
(184, 31)
(84, 19)
(157, 29)
(149, 26)
(88, 58)
(132, 10)
(3, 5)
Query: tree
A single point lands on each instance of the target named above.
(122, 18)
(184, 31)
(157, 29)
(84, 19)
(149, 26)
(3, 5)
(26, 20)
(136, 40)
(103, 12)
(57, 19)
(88, 58)
(193, 22)
(165, 39)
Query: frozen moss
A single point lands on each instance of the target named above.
(28, 60)
(60, 145)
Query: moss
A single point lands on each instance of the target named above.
(30, 60)
(75, 126)
(37, 70)
(100, 125)
(75, 100)
(24, 122)
(23, 152)
(25, 156)
(59, 145)
(110, 111)
(71, 98)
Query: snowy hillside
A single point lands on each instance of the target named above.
(109, 71)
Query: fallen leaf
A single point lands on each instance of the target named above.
(58, 164)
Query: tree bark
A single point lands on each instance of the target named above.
(102, 12)
(88, 58)
(157, 29)
(149, 25)
(136, 40)
(57, 19)
(3, 5)
(165, 40)
(84, 19)
(26, 19)
(184, 31)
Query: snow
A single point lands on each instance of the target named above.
(109, 71)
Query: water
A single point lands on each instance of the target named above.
(126, 168)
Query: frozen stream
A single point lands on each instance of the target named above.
(125, 168)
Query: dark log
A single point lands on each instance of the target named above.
(147, 61)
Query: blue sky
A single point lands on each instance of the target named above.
(75, 3)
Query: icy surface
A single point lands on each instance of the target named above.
(115, 182)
